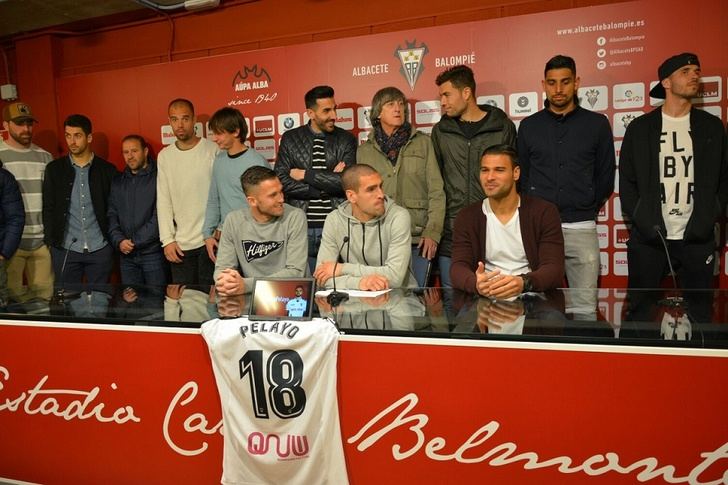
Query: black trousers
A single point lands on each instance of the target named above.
(693, 264)
(196, 268)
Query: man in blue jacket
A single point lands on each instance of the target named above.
(133, 228)
(12, 221)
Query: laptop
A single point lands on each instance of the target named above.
(282, 299)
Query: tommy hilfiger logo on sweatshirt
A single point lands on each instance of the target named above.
(256, 249)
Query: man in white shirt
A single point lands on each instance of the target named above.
(183, 180)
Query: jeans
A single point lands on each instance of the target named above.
(444, 262)
(143, 269)
(581, 249)
(314, 242)
(95, 266)
(419, 267)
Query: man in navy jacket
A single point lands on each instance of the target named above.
(12, 221)
(133, 228)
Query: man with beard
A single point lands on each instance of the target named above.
(75, 202)
(183, 181)
(673, 183)
(267, 238)
(27, 162)
(506, 244)
(310, 161)
(566, 155)
(133, 227)
(459, 139)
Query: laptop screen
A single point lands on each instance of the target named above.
(282, 298)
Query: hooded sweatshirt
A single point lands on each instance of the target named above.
(381, 246)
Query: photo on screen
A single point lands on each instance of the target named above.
(282, 299)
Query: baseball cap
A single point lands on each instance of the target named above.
(17, 112)
(668, 67)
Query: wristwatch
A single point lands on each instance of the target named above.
(527, 284)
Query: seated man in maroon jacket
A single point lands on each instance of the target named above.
(507, 244)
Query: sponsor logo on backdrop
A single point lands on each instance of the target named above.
(594, 98)
(288, 121)
(411, 57)
(345, 118)
(250, 78)
(496, 100)
(603, 263)
(620, 263)
(168, 135)
(523, 104)
(630, 95)
(603, 236)
(457, 60)
(362, 115)
(266, 147)
(427, 112)
(710, 90)
(603, 213)
(621, 120)
(370, 70)
(714, 110)
(617, 208)
(263, 126)
(363, 136)
(621, 236)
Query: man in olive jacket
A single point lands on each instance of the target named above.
(405, 159)
(460, 137)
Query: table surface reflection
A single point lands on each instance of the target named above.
(604, 316)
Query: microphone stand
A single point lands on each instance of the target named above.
(674, 301)
(336, 298)
(60, 295)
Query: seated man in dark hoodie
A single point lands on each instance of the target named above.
(369, 234)
(506, 244)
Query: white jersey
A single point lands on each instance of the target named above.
(277, 385)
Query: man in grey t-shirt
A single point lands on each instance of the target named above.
(268, 238)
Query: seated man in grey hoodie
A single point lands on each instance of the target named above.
(369, 234)
(267, 238)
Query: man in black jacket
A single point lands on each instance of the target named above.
(310, 161)
(133, 228)
(673, 182)
(75, 201)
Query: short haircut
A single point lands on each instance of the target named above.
(560, 62)
(182, 101)
(502, 149)
(460, 77)
(138, 138)
(253, 176)
(229, 119)
(384, 96)
(316, 93)
(351, 175)
(79, 121)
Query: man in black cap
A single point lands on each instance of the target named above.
(673, 181)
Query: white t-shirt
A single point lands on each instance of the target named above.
(183, 182)
(677, 174)
(503, 244)
(277, 385)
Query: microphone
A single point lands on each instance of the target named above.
(671, 301)
(336, 298)
(61, 292)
